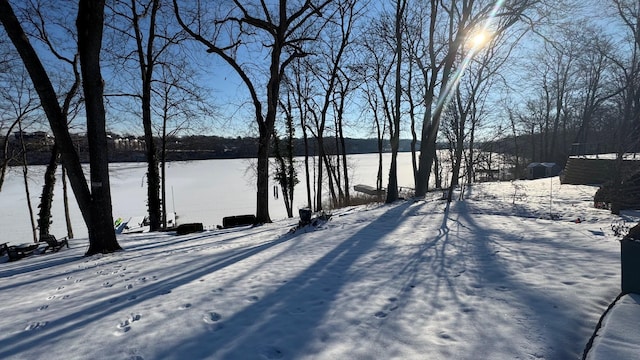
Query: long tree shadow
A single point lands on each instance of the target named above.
(96, 311)
(554, 321)
(243, 333)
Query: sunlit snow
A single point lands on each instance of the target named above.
(508, 273)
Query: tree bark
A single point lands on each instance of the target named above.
(90, 23)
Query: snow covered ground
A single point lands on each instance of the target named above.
(509, 273)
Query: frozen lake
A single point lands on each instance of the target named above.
(200, 191)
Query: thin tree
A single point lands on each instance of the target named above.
(394, 126)
(146, 24)
(25, 177)
(284, 30)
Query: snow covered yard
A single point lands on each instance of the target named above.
(506, 274)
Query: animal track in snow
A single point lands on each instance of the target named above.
(297, 311)
(271, 352)
(380, 314)
(125, 325)
(184, 306)
(43, 307)
(35, 325)
(252, 298)
(211, 317)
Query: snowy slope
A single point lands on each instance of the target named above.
(506, 274)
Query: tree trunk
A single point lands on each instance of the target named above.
(90, 23)
(44, 217)
(25, 176)
(320, 151)
(65, 198)
(306, 165)
(163, 169)
(262, 194)
(146, 61)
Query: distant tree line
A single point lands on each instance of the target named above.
(129, 148)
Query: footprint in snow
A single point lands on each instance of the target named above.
(380, 314)
(122, 330)
(35, 325)
(184, 306)
(297, 311)
(211, 317)
(107, 284)
(253, 298)
(271, 352)
(43, 307)
(125, 325)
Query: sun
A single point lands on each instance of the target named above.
(479, 39)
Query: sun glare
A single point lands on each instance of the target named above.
(480, 39)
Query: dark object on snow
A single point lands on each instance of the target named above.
(622, 197)
(189, 228)
(238, 220)
(629, 258)
(305, 216)
(21, 251)
(54, 244)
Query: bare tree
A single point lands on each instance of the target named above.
(178, 101)
(328, 68)
(90, 22)
(19, 102)
(42, 17)
(437, 59)
(95, 208)
(144, 25)
(284, 29)
(394, 126)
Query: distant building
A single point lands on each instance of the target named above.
(538, 170)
